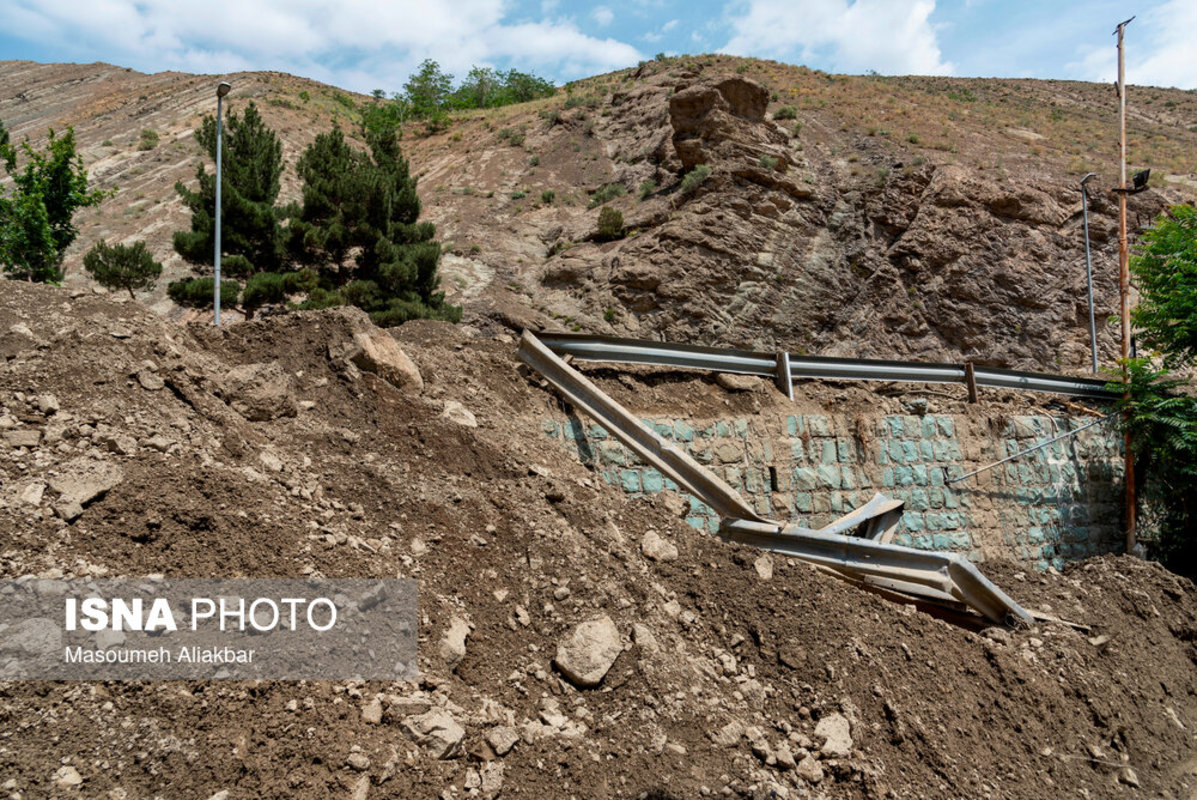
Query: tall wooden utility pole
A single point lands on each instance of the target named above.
(1124, 284)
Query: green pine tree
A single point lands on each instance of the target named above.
(252, 162)
(122, 266)
(366, 204)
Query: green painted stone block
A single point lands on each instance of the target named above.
(827, 453)
(950, 499)
(802, 502)
(935, 476)
(852, 501)
(935, 497)
(919, 500)
(837, 503)
(910, 452)
(939, 451)
(821, 503)
(904, 539)
(629, 479)
(549, 427)
(652, 481)
(904, 476)
(887, 478)
(882, 456)
(697, 522)
(699, 508)
(829, 476)
(933, 522)
(797, 451)
(755, 481)
(805, 479)
(913, 522)
(845, 451)
(733, 477)
(896, 453)
(954, 451)
(1035, 535)
(919, 471)
(848, 478)
(926, 450)
(895, 427)
(722, 430)
(950, 520)
(818, 425)
(671, 485)
(741, 428)
(663, 429)
(793, 425)
(610, 477)
(928, 427)
(946, 426)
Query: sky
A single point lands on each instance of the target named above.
(375, 44)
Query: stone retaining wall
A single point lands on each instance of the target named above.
(1062, 502)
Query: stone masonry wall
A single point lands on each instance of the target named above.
(1062, 502)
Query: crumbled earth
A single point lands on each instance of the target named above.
(267, 449)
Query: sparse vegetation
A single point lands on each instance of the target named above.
(148, 140)
(610, 224)
(606, 194)
(647, 187)
(786, 112)
(694, 179)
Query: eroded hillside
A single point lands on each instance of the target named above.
(918, 217)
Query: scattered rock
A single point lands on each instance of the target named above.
(999, 635)
(456, 412)
(358, 761)
(47, 404)
(835, 732)
(32, 494)
(656, 548)
(259, 392)
(81, 482)
(642, 635)
(1127, 776)
(453, 642)
(223, 794)
(586, 656)
(810, 770)
(738, 383)
(764, 566)
(729, 735)
(25, 437)
(68, 777)
(372, 712)
(435, 731)
(159, 443)
(377, 352)
(502, 739)
(361, 789)
(150, 380)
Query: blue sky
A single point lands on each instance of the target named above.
(368, 44)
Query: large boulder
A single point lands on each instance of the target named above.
(376, 351)
(259, 392)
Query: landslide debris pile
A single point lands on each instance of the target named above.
(573, 642)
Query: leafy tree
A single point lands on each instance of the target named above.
(1165, 268)
(1160, 412)
(122, 266)
(36, 216)
(521, 87)
(427, 91)
(252, 162)
(480, 89)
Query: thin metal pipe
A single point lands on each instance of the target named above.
(1124, 287)
(1089, 270)
(1039, 446)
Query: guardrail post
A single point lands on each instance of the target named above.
(783, 379)
(970, 380)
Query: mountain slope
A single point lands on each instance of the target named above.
(913, 217)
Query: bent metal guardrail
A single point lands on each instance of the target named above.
(778, 366)
(932, 577)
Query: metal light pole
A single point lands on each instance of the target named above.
(1089, 270)
(221, 91)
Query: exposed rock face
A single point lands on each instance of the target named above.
(375, 351)
(723, 119)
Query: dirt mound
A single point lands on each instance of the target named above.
(733, 673)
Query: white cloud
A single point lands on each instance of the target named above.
(668, 26)
(358, 44)
(1159, 50)
(603, 15)
(890, 36)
